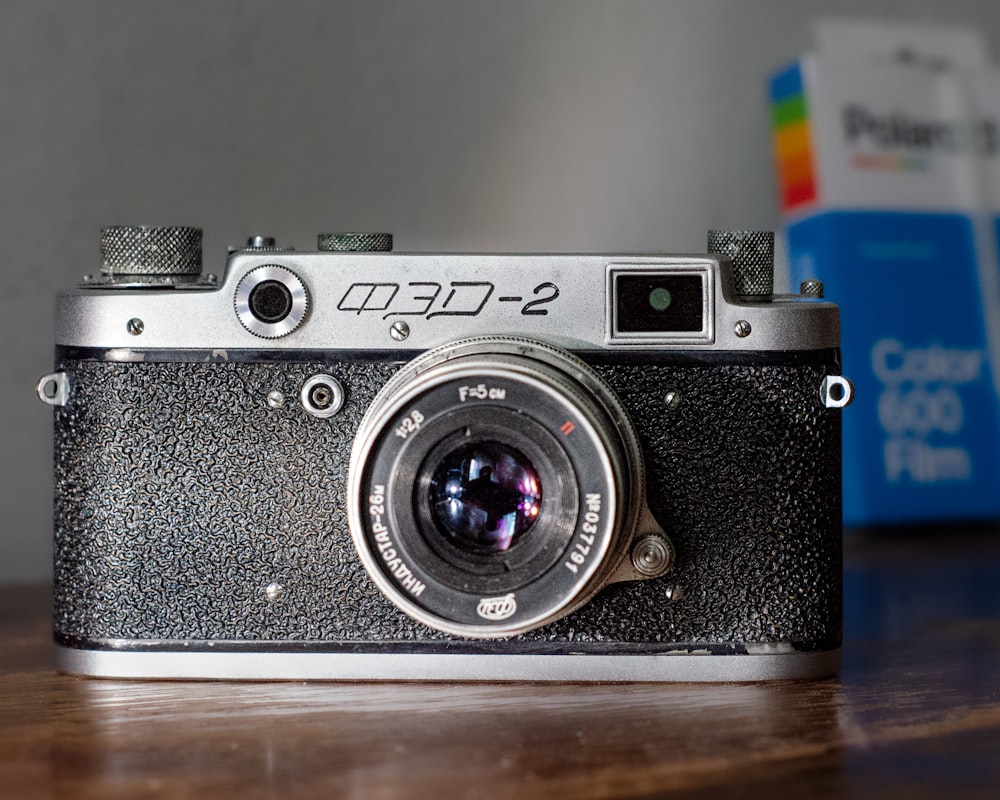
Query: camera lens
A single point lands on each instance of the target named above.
(484, 497)
(494, 486)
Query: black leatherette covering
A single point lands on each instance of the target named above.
(180, 495)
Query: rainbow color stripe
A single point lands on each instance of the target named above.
(793, 149)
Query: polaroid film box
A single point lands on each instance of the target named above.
(887, 173)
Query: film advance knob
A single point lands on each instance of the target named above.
(355, 242)
(160, 253)
(752, 254)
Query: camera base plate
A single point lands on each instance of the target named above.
(686, 666)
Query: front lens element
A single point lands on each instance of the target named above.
(484, 497)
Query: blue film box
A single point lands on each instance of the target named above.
(889, 176)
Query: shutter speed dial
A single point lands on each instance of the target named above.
(271, 301)
(354, 242)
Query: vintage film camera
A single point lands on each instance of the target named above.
(360, 464)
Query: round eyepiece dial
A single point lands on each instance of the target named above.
(271, 301)
(136, 250)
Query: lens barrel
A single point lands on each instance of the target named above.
(495, 485)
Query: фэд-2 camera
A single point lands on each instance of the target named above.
(360, 464)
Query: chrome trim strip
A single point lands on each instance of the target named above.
(444, 667)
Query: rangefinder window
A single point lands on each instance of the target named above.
(659, 303)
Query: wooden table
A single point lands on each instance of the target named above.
(916, 708)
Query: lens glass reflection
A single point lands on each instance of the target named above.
(485, 496)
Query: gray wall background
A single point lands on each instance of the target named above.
(458, 125)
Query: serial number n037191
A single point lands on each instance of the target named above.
(580, 551)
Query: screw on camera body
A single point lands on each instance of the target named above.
(273, 592)
(275, 399)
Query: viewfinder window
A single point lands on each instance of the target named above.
(660, 303)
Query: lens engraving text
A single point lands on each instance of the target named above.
(394, 564)
(481, 392)
(497, 608)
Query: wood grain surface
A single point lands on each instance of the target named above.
(915, 712)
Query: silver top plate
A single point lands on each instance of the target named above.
(415, 301)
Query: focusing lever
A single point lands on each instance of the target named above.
(651, 554)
